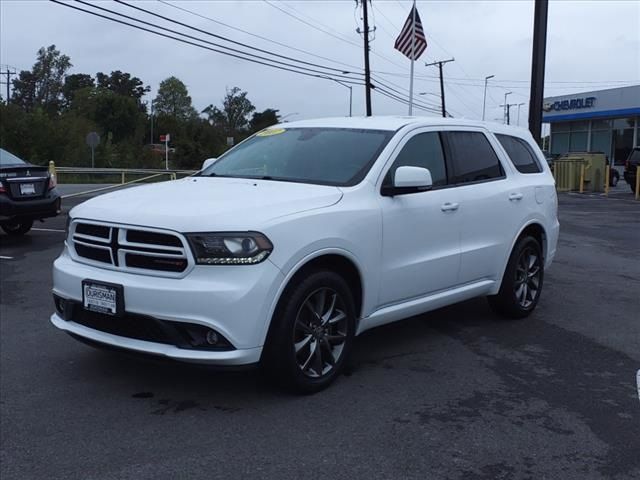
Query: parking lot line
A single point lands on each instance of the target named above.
(48, 230)
(4, 257)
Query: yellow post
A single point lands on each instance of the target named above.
(582, 178)
(122, 180)
(607, 173)
(52, 171)
(638, 182)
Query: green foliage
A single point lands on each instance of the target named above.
(51, 113)
(73, 83)
(122, 83)
(261, 120)
(42, 86)
(173, 100)
(233, 118)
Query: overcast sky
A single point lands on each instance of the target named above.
(593, 44)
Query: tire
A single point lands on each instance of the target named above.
(522, 281)
(311, 333)
(17, 229)
(613, 181)
(633, 187)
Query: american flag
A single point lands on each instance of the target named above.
(403, 42)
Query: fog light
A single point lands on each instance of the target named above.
(212, 337)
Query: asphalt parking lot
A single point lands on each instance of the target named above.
(455, 394)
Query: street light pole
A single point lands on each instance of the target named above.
(519, 105)
(484, 99)
(350, 93)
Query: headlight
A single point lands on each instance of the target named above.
(229, 248)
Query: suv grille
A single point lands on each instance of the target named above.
(129, 249)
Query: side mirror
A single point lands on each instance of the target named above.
(409, 180)
(208, 162)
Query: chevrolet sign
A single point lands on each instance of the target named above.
(573, 104)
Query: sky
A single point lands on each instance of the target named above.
(591, 45)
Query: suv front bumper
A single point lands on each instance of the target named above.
(234, 300)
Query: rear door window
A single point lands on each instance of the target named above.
(520, 154)
(472, 158)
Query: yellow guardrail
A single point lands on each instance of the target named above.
(121, 172)
(120, 185)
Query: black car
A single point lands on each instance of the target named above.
(27, 193)
(631, 168)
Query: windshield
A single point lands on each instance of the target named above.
(326, 156)
(7, 158)
(635, 156)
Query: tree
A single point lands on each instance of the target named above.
(173, 100)
(261, 120)
(43, 85)
(233, 118)
(122, 83)
(73, 83)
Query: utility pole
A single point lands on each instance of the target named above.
(504, 120)
(507, 107)
(440, 63)
(367, 71)
(9, 74)
(537, 67)
(484, 98)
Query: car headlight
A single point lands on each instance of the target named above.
(229, 248)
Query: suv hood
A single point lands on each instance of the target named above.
(198, 204)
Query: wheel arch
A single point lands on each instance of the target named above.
(534, 228)
(338, 260)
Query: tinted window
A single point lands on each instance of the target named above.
(423, 150)
(520, 154)
(328, 156)
(7, 158)
(472, 157)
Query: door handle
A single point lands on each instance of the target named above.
(449, 207)
(515, 196)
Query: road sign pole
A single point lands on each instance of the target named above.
(166, 152)
(93, 161)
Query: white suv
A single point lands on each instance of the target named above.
(306, 235)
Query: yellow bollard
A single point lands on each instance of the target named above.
(52, 171)
(582, 178)
(638, 182)
(607, 173)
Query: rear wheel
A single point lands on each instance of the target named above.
(312, 332)
(522, 281)
(615, 176)
(17, 228)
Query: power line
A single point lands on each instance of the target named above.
(322, 75)
(211, 35)
(310, 24)
(266, 39)
(387, 94)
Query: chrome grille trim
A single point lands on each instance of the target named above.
(170, 258)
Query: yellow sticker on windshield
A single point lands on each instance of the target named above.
(270, 131)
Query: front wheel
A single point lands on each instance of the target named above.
(16, 228)
(522, 281)
(312, 332)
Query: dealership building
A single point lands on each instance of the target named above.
(605, 121)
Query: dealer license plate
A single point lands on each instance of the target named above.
(103, 298)
(27, 189)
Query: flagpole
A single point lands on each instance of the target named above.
(413, 55)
